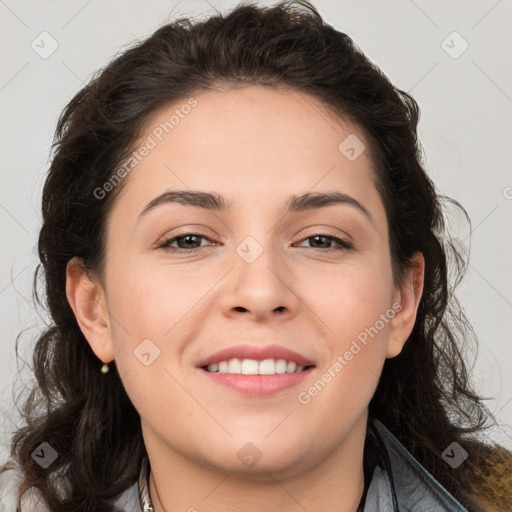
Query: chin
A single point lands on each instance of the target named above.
(255, 461)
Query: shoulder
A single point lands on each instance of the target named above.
(493, 482)
(10, 480)
(129, 500)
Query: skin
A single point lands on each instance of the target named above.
(255, 146)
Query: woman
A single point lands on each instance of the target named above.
(247, 270)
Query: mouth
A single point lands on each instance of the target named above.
(236, 366)
(256, 385)
(255, 370)
(249, 359)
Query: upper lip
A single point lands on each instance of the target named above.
(259, 353)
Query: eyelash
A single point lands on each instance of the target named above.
(345, 244)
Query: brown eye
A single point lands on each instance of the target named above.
(186, 242)
(323, 241)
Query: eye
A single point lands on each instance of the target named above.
(183, 240)
(321, 238)
(186, 239)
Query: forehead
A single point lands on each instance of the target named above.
(252, 138)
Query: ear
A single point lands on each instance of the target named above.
(88, 302)
(408, 295)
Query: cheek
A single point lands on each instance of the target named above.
(149, 300)
(350, 298)
(354, 351)
(150, 322)
(156, 301)
(341, 302)
(354, 304)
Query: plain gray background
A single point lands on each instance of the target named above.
(465, 95)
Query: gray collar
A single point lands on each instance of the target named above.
(402, 483)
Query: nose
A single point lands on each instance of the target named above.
(261, 289)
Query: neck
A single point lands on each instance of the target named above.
(333, 483)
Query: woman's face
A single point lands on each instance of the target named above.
(262, 272)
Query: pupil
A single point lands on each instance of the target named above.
(187, 239)
(319, 237)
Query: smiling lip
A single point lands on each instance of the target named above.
(258, 385)
(245, 351)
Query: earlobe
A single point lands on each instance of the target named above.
(87, 300)
(409, 296)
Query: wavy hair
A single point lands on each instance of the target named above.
(424, 396)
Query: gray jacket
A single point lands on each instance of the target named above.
(404, 485)
(400, 484)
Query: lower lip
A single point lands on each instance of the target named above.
(258, 385)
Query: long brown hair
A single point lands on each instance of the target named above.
(424, 395)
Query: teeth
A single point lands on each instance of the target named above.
(249, 367)
(234, 366)
(253, 367)
(280, 366)
(267, 367)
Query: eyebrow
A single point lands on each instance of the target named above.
(215, 202)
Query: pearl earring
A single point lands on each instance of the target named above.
(105, 368)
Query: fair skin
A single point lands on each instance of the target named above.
(255, 146)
